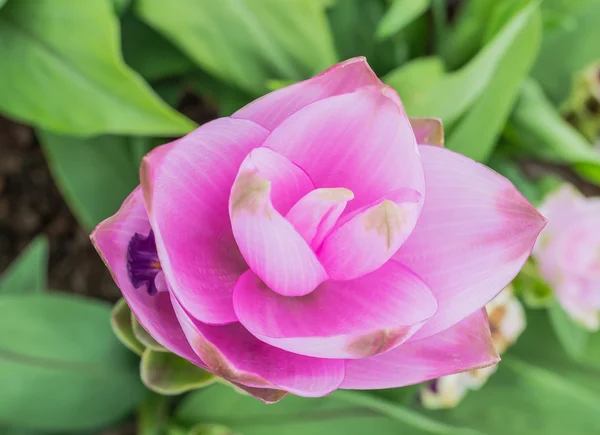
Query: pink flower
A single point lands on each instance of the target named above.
(568, 253)
(306, 243)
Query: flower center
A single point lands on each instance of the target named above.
(142, 262)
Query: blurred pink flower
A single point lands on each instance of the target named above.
(568, 253)
(307, 243)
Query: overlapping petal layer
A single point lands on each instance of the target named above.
(473, 236)
(340, 319)
(272, 109)
(315, 215)
(231, 352)
(186, 189)
(361, 141)
(370, 236)
(111, 238)
(270, 244)
(465, 346)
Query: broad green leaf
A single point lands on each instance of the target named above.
(61, 367)
(150, 54)
(246, 42)
(153, 415)
(466, 35)
(449, 97)
(92, 194)
(28, 273)
(121, 6)
(226, 98)
(354, 24)
(418, 76)
(210, 429)
(168, 374)
(572, 336)
(347, 412)
(493, 107)
(143, 337)
(62, 70)
(537, 127)
(401, 13)
(522, 398)
(568, 49)
(2, 3)
(121, 322)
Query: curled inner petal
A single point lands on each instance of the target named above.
(271, 246)
(369, 237)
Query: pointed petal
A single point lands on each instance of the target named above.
(428, 131)
(231, 352)
(465, 346)
(360, 141)
(111, 239)
(268, 242)
(272, 109)
(369, 239)
(474, 234)
(186, 188)
(315, 215)
(340, 319)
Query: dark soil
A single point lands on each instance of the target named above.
(30, 204)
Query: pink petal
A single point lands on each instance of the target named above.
(186, 188)
(474, 234)
(360, 141)
(368, 239)
(272, 109)
(465, 346)
(231, 352)
(315, 215)
(111, 239)
(268, 242)
(340, 319)
(428, 131)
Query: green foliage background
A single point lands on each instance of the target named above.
(101, 81)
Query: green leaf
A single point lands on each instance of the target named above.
(343, 412)
(210, 429)
(521, 398)
(450, 96)
(92, 195)
(568, 49)
(572, 336)
(227, 98)
(466, 35)
(168, 374)
(245, 42)
(537, 390)
(121, 6)
(143, 337)
(63, 71)
(539, 129)
(401, 13)
(121, 323)
(354, 24)
(2, 3)
(61, 367)
(418, 76)
(493, 107)
(28, 273)
(150, 54)
(153, 415)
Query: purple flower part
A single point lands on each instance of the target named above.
(433, 386)
(142, 262)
